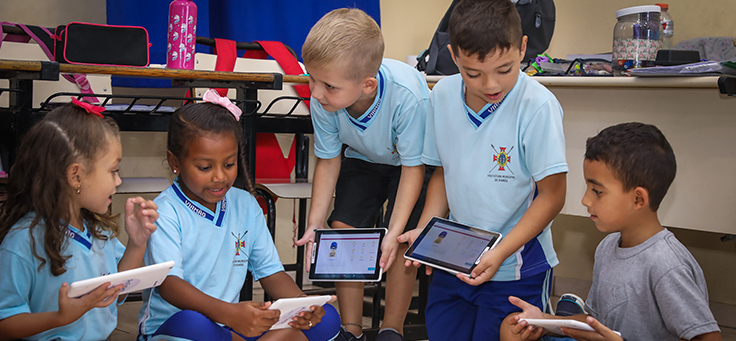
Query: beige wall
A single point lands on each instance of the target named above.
(52, 13)
(582, 26)
(585, 26)
(408, 25)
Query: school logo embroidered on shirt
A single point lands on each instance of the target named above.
(394, 151)
(239, 243)
(501, 171)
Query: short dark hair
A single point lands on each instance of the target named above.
(479, 27)
(639, 155)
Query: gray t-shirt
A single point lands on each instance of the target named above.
(652, 291)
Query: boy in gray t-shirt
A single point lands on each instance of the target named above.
(646, 284)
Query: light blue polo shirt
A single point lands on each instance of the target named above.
(390, 132)
(491, 161)
(26, 288)
(213, 250)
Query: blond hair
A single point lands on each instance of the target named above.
(345, 35)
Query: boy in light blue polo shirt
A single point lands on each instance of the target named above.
(496, 136)
(376, 107)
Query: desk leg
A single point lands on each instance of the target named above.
(21, 101)
(249, 128)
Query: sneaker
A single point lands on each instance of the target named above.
(570, 304)
(345, 335)
(389, 334)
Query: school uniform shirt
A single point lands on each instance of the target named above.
(26, 288)
(492, 159)
(213, 251)
(390, 132)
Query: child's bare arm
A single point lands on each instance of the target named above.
(410, 186)
(70, 309)
(434, 206)
(323, 187)
(280, 285)
(546, 206)
(140, 223)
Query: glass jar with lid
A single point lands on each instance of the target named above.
(636, 38)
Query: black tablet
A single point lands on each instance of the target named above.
(451, 246)
(349, 255)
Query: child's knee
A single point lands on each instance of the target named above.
(327, 328)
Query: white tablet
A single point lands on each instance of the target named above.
(134, 279)
(451, 246)
(347, 255)
(291, 307)
(553, 325)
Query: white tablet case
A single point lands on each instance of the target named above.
(134, 279)
(291, 307)
(553, 325)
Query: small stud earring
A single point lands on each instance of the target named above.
(175, 171)
(79, 189)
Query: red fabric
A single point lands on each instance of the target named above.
(286, 60)
(271, 166)
(226, 55)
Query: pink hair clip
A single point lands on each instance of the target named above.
(89, 108)
(211, 96)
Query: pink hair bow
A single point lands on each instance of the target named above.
(89, 108)
(212, 96)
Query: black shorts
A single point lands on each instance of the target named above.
(362, 189)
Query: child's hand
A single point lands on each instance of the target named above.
(308, 319)
(601, 333)
(484, 271)
(140, 221)
(308, 239)
(71, 309)
(388, 250)
(253, 318)
(409, 238)
(521, 328)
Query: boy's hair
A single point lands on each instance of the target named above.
(345, 37)
(639, 155)
(38, 179)
(479, 27)
(201, 119)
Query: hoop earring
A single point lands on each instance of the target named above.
(79, 189)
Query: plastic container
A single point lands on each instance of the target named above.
(182, 34)
(668, 26)
(636, 38)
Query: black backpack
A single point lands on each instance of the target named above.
(537, 23)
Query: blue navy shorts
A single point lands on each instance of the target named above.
(362, 189)
(459, 311)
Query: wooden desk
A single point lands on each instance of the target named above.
(21, 115)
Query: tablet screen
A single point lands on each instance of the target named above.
(451, 246)
(347, 255)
